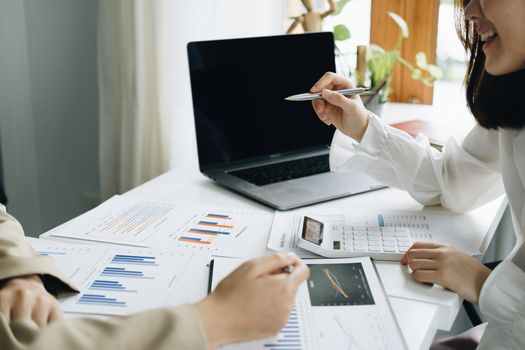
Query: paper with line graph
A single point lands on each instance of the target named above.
(148, 223)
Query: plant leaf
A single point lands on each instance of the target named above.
(421, 60)
(435, 71)
(401, 23)
(340, 5)
(341, 32)
(416, 74)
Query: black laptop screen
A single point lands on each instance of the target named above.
(238, 88)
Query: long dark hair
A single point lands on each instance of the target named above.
(495, 101)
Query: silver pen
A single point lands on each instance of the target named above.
(318, 95)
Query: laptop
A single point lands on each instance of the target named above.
(251, 140)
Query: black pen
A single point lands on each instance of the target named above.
(210, 276)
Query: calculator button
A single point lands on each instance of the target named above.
(360, 248)
(404, 244)
(390, 249)
(389, 244)
(374, 238)
(389, 239)
(374, 243)
(374, 248)
(403, 239)
(403, 249)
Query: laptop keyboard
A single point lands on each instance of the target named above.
(272, 173)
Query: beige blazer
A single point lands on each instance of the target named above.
(168, 328)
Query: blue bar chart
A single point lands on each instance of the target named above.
(290, 336)
(134, 260)
(123, 272)
(117, 281)
(100, 300)
(110, 286)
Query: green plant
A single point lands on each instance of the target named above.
(380, 62)
(341, 31)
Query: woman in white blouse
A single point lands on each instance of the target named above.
(490, 161)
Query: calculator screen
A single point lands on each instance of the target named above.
(312, 230)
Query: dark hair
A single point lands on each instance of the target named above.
(495, 101)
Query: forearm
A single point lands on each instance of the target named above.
(451, 178)
(169, 328)
(17, 258)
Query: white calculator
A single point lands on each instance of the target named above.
(339, 241)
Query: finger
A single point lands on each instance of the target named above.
(22, 307)
(41, 311)
(331, 80)
(5, 306)
(336, 99)
(270, 263)
(426, 245)
(299, 274)
(423, 264)
(320, 109)
(426, 276)
(55, 313)
(420, 254)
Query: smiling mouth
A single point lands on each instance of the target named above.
(488, 35)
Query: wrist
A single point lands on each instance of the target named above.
(481, 277)
(214, 322)
(31, 279)
(361, 128)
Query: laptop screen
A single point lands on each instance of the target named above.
(238, 88)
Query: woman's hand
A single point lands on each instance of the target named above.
(448, 267)
(26, 298)
(254, 301)
(347, 114)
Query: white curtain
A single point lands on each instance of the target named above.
(146, 115)
(133, 128)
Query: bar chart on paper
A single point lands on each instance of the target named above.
(225, 231)
(120, 220)
(297, 333)
(116, 281)
(133, 221)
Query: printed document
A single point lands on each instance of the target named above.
(124, 280)
(156, 224)
(342, 305)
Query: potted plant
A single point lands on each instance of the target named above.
(381, 63)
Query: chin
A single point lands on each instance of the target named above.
(497, 68)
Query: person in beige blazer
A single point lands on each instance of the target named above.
(252, 302)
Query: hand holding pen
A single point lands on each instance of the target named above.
(254, 301)
(346, 113)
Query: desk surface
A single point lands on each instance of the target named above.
(420, 310)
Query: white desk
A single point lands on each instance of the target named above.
(421, 310)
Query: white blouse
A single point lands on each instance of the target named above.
(461, 177)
